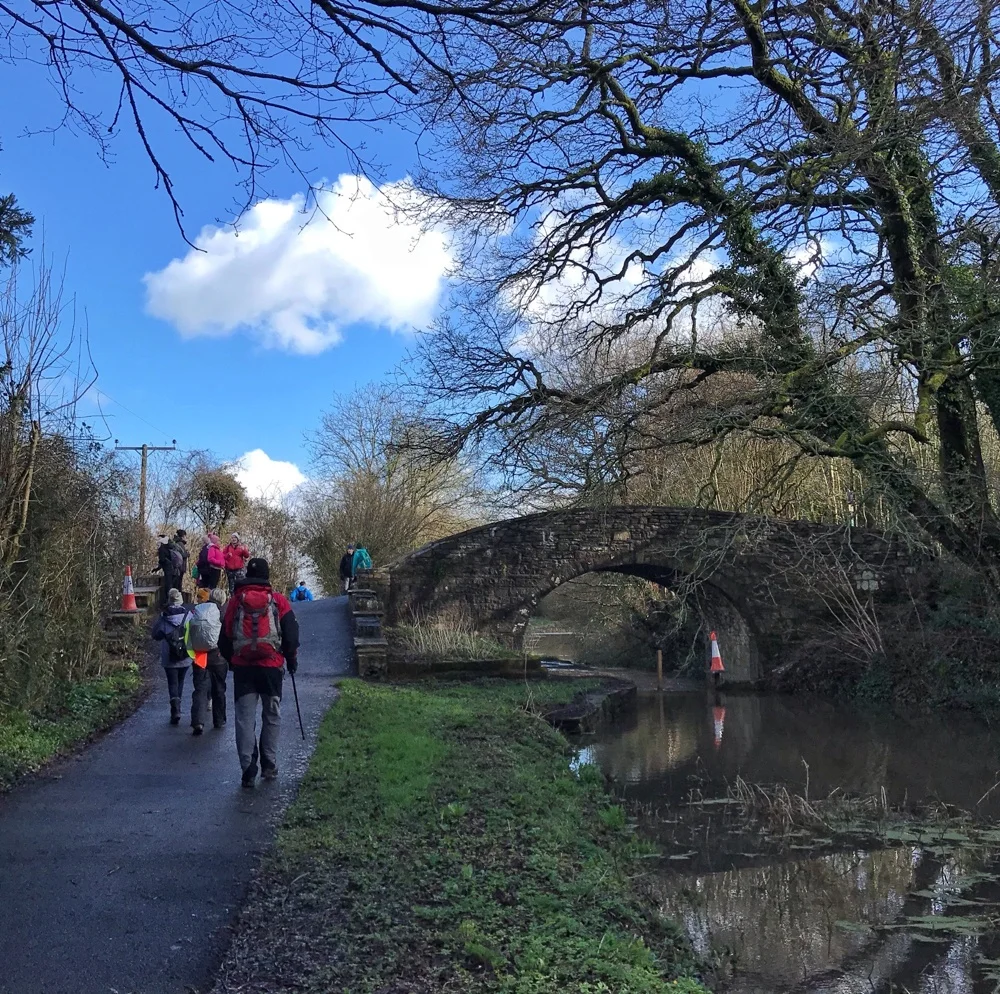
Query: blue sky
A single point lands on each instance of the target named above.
(109, 226)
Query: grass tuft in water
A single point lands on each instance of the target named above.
(440, 641)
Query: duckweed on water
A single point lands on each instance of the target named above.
(440, 842)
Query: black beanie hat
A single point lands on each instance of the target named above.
(257, 569)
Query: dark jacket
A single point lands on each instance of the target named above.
(170, 619)
(170, 558)
(256, 593)
(345, 565)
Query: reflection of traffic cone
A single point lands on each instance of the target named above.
(716, 666)
(718, 719)
(128, 592)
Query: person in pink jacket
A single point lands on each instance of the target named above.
(211, 560)
(236, 555)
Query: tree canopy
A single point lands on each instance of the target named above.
(692, 220)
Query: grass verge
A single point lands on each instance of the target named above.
(29, 740)
(440, 842)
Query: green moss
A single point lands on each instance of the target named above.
(441, 838)
(29, 740)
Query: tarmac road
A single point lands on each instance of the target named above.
(122, 868)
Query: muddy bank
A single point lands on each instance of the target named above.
(592, 709)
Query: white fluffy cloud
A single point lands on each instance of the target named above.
(296, 277)
(267, 478)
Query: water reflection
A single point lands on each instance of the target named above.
(844, 921)
(677, 741)
(798, 924)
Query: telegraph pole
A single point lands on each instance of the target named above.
(145, 450)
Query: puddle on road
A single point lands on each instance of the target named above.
(911, 908)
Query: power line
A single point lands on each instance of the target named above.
(118, 403)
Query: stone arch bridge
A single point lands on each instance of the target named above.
(766, 585)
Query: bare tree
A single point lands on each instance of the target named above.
(250, 85)
(374, 487)
(270, 530)
(801, 195)
(65, 528)
(41, 380)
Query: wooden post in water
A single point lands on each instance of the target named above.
(659, 669)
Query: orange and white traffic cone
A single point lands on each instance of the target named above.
(718, 720)
(716, 666)
(128, 592)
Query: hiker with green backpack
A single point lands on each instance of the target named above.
(168, 630)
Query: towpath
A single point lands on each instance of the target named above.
(122, 868)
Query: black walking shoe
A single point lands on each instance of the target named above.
(250, 775)
(197, 729)
(175, 712)
(219, 724)
(268, 772)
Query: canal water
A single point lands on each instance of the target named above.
(806, 910)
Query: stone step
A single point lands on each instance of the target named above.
(121, 619)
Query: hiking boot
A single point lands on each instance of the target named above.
(268, 772)
(197, 729)
(219, 724)
(250, 775)
(175, 711)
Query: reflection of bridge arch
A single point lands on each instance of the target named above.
(751, 578)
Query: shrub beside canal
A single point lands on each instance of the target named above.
(440, 842)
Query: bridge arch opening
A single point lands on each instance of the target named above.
(601, 614)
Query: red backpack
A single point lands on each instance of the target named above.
(256, 627)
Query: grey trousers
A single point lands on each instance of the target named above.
(253, 684)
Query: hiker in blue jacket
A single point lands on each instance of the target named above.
(169, 632)
(301, 592)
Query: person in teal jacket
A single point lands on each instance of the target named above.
(301, 592)
(361, 560)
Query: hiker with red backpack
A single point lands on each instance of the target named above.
(260, 636)
(211, 561)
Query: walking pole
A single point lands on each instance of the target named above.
(295, 691)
